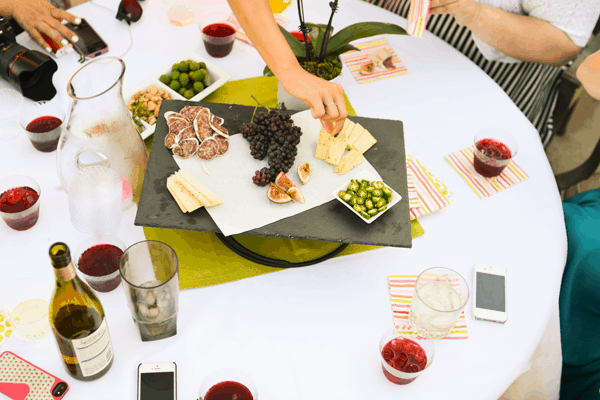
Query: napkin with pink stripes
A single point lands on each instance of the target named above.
(241, 35)
(369, 51)
(462, 162)
(417, 17)
(426, 194)
(402, 288)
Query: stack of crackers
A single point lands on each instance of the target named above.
(189, 193)
(352, 137)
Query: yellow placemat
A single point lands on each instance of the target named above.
(203, 259)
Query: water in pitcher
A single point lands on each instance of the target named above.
(431, 310)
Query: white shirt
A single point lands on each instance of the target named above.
(576, 18)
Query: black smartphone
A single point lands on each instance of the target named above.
(90, 44)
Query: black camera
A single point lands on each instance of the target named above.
(28, 71)
(59, 389)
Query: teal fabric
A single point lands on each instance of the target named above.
(579, 302)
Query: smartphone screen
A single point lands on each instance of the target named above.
(157, 386)
(491, 292)
(89, 42)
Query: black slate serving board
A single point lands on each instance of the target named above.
(331, 222)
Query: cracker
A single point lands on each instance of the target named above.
(185, 196)
(350, 161)
(355, 134)
(205, 195)
(364, 142)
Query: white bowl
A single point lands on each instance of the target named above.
(219, 76)
(370, 177)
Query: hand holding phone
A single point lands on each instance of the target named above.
(490, 294)
(157, 381)
(90, 44)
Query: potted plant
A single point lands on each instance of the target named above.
(318, 51)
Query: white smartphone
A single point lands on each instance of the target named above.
(490, 294)
(157, 381)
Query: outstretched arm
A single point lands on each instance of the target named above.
(256, 18)
(589, 74)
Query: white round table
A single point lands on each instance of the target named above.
(313, 332)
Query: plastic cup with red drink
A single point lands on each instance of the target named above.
(44, 122)
(19, 202)
(97, 259)
(494, 148)
(226, 384)
(404, 355)
(217, 34)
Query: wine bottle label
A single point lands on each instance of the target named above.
(94, 352)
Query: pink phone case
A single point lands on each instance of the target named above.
(21, 380)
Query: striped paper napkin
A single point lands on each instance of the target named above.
(417, 17)
(240, 35)
(462, 162)
(5, 328)
(402, 288)
(356, 59)
(426, 194)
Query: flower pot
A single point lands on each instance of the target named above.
(292, 103)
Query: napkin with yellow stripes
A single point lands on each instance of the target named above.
(462, 162)
(5, 328)
(426, 193)
(402, 289)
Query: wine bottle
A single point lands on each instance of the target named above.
(77, 320)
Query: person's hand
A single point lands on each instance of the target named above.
(325, 99)
(464, 11)
(39, 16)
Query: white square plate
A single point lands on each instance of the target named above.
(219, 76)
(370, 177)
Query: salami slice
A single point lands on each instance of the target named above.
(223, 144)
(201, 122)
(186, 148)
(187, 133)
(190, 112)
(171, 140)
(217, 120)
(219, 130)
(176, 125)
(208, 149)
(204, 133)
(173, 114)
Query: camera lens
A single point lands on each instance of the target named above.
(59, 389)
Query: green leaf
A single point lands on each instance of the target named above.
(362, 30)
(267, 71)
(317, 34)
(295, 45)
(342, 50)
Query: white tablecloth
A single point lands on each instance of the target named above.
(312, 333)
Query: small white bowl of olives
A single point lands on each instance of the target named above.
(367, 196)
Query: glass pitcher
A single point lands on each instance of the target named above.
(100, 130)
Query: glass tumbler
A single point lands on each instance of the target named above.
(438, 301)
(149, 272)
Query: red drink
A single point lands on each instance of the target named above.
(44, 133)
(404, 355)
(228, 390)
(218, 39)
(99, 263)
(14, 202)
(491, 157)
